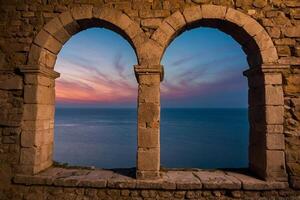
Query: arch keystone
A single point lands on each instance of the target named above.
(213, 11)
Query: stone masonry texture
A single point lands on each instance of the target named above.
(32, 32)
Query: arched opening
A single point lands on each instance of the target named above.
(39, 94)
(95, 117)
(204, 121)
(266, 157)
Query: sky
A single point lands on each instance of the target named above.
(203, 68)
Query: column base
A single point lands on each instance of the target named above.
(147, 175)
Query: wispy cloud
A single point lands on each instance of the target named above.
(86, 83)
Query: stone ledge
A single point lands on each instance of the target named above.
(170, 180)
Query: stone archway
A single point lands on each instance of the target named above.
(39, 88)
(266, 110)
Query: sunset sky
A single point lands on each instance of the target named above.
(203, 68)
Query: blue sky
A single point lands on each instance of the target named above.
(203, 68)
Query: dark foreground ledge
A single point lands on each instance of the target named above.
(171, 180)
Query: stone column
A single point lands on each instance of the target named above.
(38, 119)
(266, 117)
(148, 152)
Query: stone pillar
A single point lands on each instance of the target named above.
(148, 152)
(266, 117)
(38, 119)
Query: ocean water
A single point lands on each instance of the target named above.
(107, 138)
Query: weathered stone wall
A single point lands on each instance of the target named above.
(54, 193)
(32, 32)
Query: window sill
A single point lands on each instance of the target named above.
(171, 180)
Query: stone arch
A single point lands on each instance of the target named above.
(254, 39)
(49, 41)
(39, 89)
(266, 110)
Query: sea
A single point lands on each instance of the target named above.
(189, 137)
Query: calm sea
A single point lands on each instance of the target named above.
(107, 138)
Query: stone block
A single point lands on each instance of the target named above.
(252, 183)
(38, 112)
(148, 175)
(82, 12)
(176, 21)
(148, 160)
(192, 14)
(263, 40)
(150, 53)
(217, 180)
(185, 180)
(293, 31)
(33, 79)
(275, 141)
(70, 25)
(31, 125)
(134, 30)
(274, 114)
(148, 115)
(148, 137)
(275, 161)
(47, 41)
(269, 55)
(213, 11)
(55, 28)
(115, 17)
(267, 114)
(152, 23)
(163, 35)
(154, 13)
(39, 95)
(31, 138)
(11, 82)
(273, 79)
(274, 95)
(252, 27)
(30, 156)
(237, 17)
(149, 93)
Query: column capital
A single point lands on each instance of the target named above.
(149, 70)
(37, 69)
(265, 69)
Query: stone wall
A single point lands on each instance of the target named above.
(32, 32)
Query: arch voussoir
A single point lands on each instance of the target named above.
(56, 28)
(48, 41)
(70, 25)
(57, 31)
(176, 21)
(192, 14)
(163, 34)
